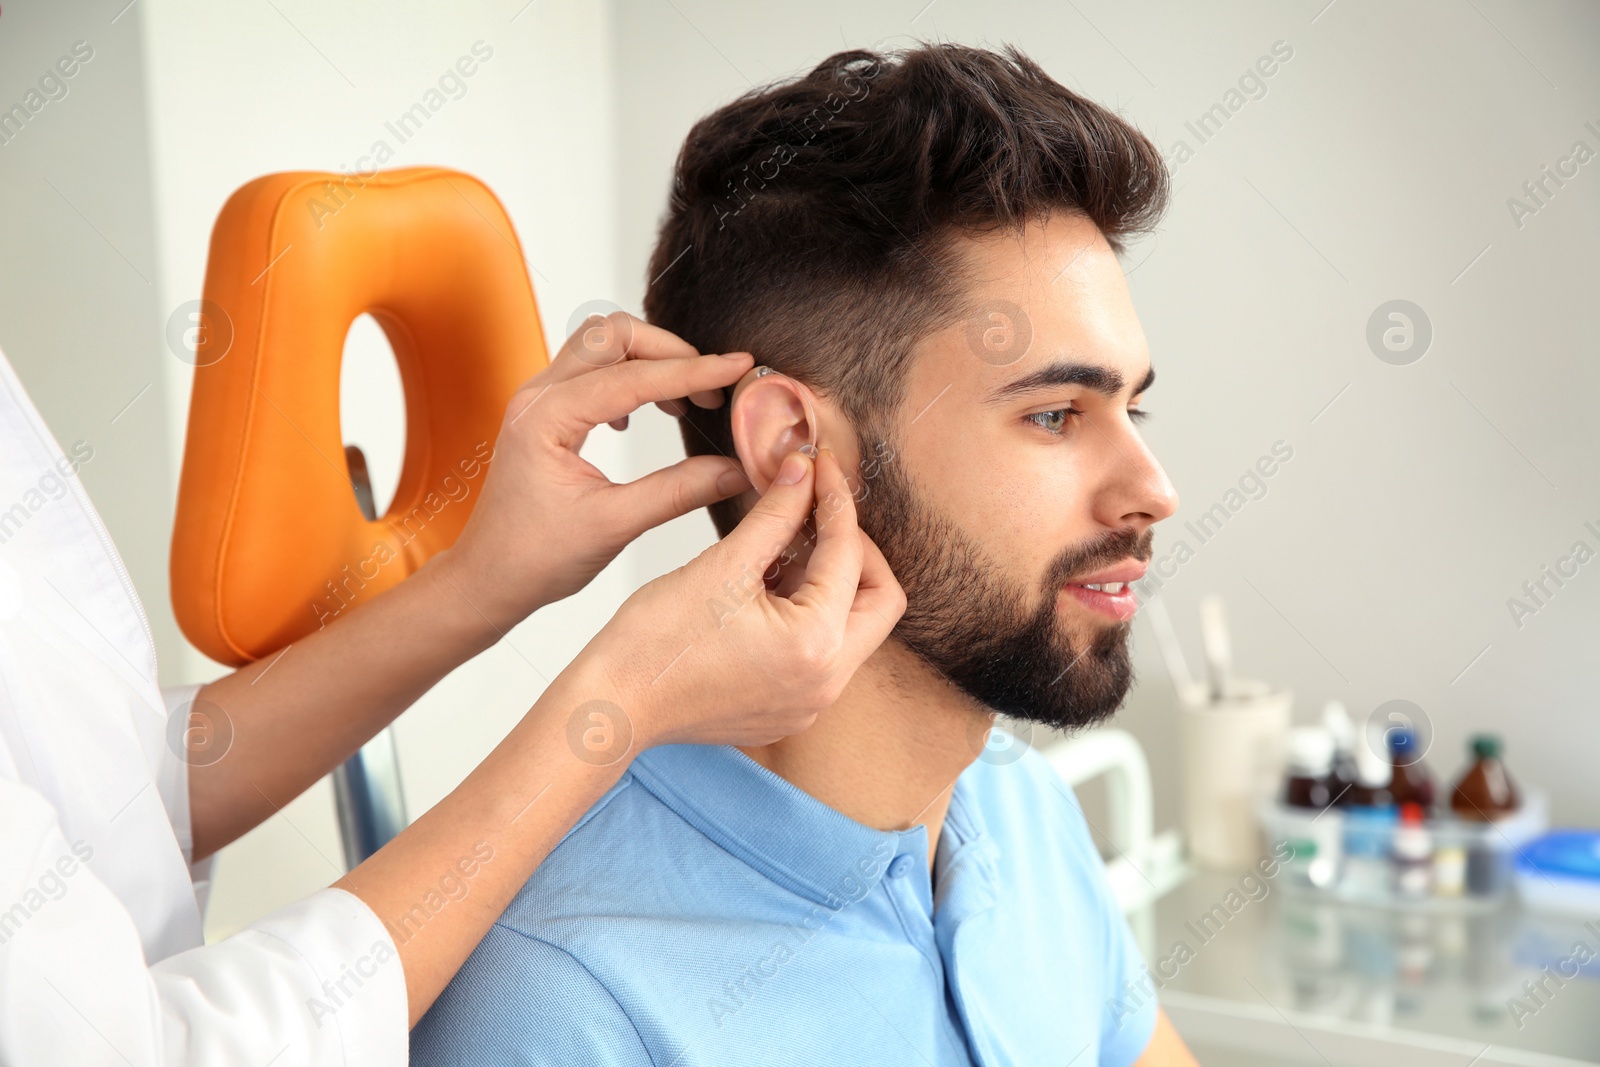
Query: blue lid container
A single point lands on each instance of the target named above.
(1563, 854)
(1561, 872)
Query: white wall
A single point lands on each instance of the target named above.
(106, 203)
(1377, 166)
(241, 90)
(80, 300)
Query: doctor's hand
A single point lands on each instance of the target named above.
(710, 654)
(704, 654)
(548, 520)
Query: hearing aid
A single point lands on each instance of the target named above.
(810, 447)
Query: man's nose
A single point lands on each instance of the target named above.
(1142, 494)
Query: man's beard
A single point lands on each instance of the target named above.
(980, 630)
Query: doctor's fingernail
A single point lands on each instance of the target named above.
(734, 355)
(793, 469)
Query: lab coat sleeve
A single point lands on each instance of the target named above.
(173, 780)
(318, 983)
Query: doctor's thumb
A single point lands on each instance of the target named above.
(778, 516)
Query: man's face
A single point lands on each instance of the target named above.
(1019, 480)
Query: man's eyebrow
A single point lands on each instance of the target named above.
(1104, 380)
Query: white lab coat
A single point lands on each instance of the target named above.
(101, 955)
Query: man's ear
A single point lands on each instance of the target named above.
(771, 415)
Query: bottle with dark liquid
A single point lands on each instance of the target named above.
(1370, 816)
(1485, 792)
(1411, 781)
(1310, 767)
(1373, 775)
(1316, 841)
(1336, 720)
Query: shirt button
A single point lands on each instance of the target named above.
(901, 866)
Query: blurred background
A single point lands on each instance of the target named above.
(1396, 153)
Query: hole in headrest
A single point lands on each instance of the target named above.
(372, 406)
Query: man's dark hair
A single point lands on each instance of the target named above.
(810, 220)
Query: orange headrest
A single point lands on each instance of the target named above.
(269, 541)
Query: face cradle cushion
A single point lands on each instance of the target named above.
(269, 542)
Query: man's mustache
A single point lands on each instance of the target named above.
(1099, 552)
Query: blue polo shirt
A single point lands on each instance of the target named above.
(707, 912)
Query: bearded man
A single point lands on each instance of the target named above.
(921, 250)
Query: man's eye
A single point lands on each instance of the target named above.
(1138, 414)
(1053, 421)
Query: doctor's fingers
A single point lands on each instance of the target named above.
(847, 578)
(768, 532)
(603, 341)
(811, 643)
(662, 495)
(834, 567)
(879, 603)
(574, 407)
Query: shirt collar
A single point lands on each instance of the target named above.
(820, 853)
(967, 882)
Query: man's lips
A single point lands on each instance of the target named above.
(1110, 591)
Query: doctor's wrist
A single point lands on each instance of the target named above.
(467, 600)
(606, 716)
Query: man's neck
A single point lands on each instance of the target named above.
(888, 753)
